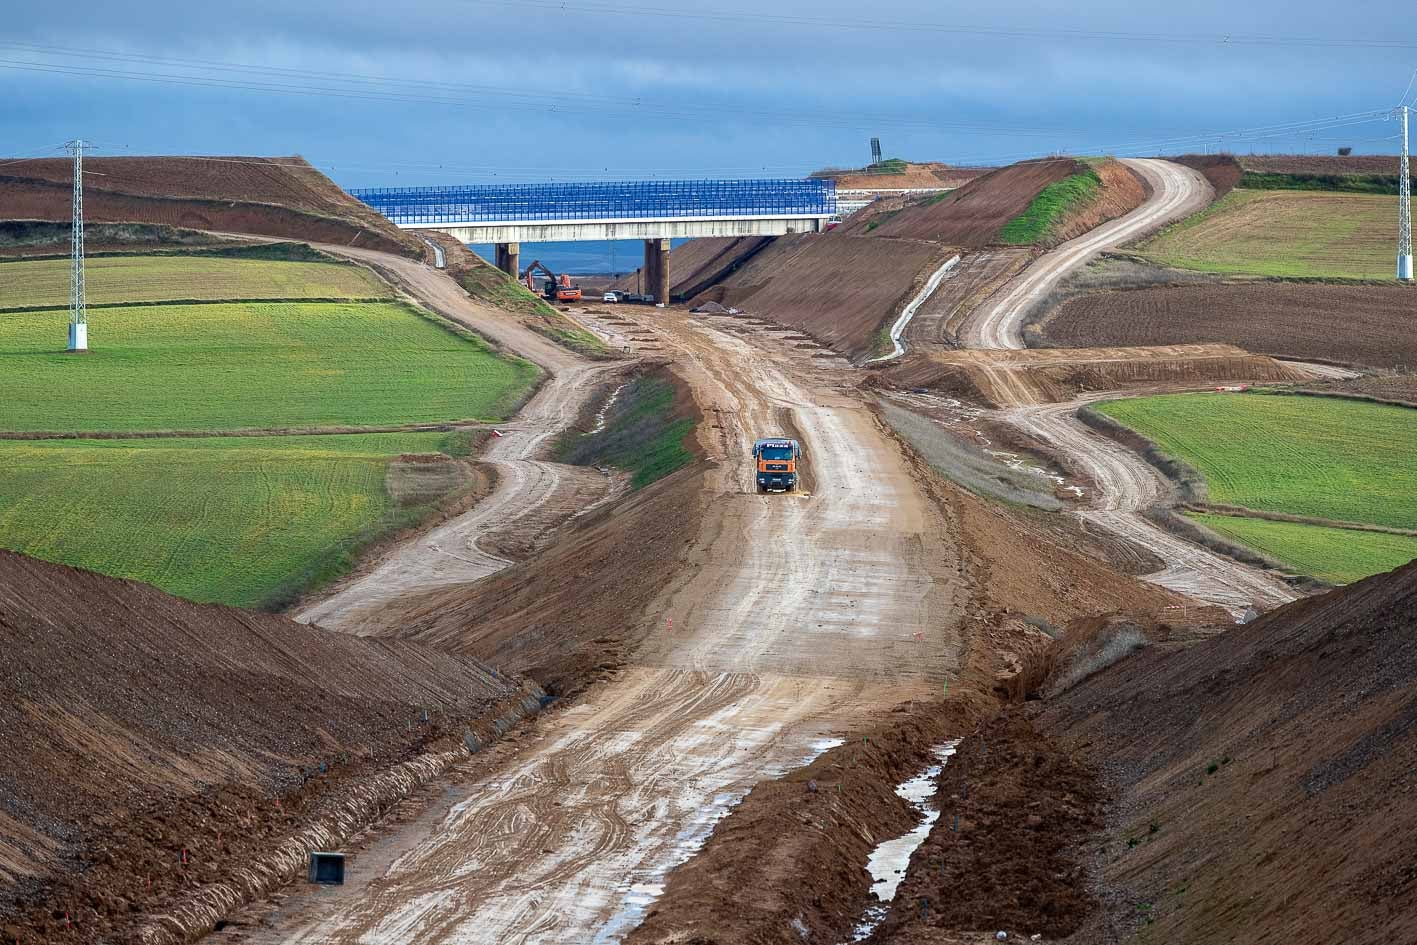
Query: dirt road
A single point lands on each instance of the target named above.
(1177, 192)
(807, 614)
(1126, 485)
(528, 487)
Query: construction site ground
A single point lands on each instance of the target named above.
(742, 681)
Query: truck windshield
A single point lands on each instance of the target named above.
(777, 452)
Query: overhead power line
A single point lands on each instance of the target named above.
(740, 17)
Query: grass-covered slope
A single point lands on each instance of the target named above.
(1052, 204)
(250, 365)
(642, 431)
(1335, 555)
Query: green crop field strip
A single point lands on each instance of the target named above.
(1294, 234)
(1313, 457)
(642, 435)
(249, 365)
(1336, 555)
(112, 279)
(1319, 457)
(234, 520)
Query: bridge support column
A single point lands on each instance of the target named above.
(509, 258)
(657, 269)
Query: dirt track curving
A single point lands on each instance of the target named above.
(528, 487)
(1176, 192)
(804, 614)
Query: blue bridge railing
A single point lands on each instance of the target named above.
(659, 199)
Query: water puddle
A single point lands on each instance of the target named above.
(889, 860)
(638, 892)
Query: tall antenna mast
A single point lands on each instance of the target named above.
(78, 317)
(1404, 206)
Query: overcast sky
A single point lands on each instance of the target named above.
(415, 91)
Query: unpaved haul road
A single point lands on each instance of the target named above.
(1127, 486)
(804, 615)
(1177, 192)
(527, 487)
(1126, 483)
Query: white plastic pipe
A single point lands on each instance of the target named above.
(908, 312)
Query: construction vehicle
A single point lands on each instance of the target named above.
(555, 288)
(776, 459)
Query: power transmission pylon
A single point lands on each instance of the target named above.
(1404, 207)
(78, 317)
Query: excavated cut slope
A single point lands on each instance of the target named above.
(121, 702)
(1266, 778)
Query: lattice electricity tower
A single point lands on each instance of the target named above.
(1404, 206)
(78, 316)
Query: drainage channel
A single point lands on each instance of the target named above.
(888, 862)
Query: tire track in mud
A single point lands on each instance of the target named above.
(750, 673)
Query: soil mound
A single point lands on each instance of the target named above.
(1054, 375)
(909, 177)
(135, 725)
(972, 216)
(1353, 324)
(1222, 170)
(840, 290)
(284, 197)
(1264, 778)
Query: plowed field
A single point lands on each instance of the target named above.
(1369, 325)
(250, 366)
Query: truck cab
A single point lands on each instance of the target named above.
(776, 459)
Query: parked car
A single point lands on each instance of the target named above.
(613, 297)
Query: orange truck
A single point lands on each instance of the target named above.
(776, 459)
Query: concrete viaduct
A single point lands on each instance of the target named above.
(507, 215)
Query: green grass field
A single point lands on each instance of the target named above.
(1295, 234)
(235, 520)
(1319, 457)
(111, 279)
(1336, 555)
(1051, 205)
(251, 365)
(1315, 457)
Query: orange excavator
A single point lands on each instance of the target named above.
(555, 288)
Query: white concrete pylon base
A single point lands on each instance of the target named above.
(1404, 268)
(78, 337)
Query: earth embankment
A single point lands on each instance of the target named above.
(284, 197)
(972, 216)
(841, 290)
(152, 744)
(1005, 378)
(1263, 778)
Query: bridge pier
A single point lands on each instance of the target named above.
(657, 269)
(509, 258)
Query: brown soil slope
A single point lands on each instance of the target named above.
(1266, 778)
(1222, 170)
(1354, 324)
(841, 290)
(972, 216)
(1054, 375)
(124, 706)
(284, 197)
(1123, 190)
